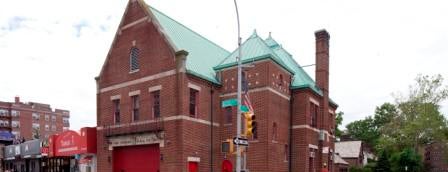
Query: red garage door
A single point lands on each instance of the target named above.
(136, 158)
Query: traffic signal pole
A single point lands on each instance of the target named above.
(238, 107)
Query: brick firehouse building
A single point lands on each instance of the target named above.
(160, 90)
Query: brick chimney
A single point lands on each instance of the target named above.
(17, 99)
(322, 59)
(322, 79)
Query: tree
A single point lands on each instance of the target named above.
(384, 114)
(419, 120)
(383, 164)
(364, 130)
(406, 160)
(338, 123)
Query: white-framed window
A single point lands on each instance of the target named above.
(3, 112)
(65, 128)
(36, 116)
(47, 117)
(53, 128)
(15, 124)
(36, 126)
(65, 120)
(47, 127)
(53, 118)
(4, 123)
(15, 113)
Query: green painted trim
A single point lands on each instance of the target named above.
(203, 77)
(259, 58)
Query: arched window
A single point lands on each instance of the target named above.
(133, 59)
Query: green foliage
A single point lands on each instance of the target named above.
(383, 164)
(419, 120)
(406, 160)
(360, 169)
(364, 130)
(339, 119)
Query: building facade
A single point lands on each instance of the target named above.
(436, 157)
(160, 90)
(24, 120)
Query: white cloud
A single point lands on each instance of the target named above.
(377, 47)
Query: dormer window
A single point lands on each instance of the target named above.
(133, 59)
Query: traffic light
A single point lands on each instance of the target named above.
(227, 146)
(251, 124)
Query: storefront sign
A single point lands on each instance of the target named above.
(141, 139)
(69, 143)
(10, 152)
(30, 148)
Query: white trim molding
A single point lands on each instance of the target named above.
(133, 93)
(314, 101)
(170, 118)
(313, 146)
(193, 159)
(196, 87)
(115, 97)
(155, 88)
(138, 81)
(146, 18)
(257, 90)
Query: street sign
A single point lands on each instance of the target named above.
(240, 141)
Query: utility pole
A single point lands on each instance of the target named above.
(238, 107)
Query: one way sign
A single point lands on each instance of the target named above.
(240, 141)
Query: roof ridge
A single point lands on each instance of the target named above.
(231, 53)
(290, 57)
(152, 8)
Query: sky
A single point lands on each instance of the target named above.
(51, 50)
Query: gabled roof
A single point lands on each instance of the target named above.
(338, 160)
(253, 49)
(301, 79)
(348, 149)
(202, 53)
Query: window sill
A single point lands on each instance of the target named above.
(227, 125)
(274, 141)
(253, 141)
(134, 71)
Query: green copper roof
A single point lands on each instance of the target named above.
(301, 79)
(203, 54)
(253, 49)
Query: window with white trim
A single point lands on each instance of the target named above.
(35, 116)
(15, 124)
(53, 128)
(53, 118)
(133, 59)
(3, 112)
(65, 120)
(116, 106)
(155, 95)
(15, 113)
(47, 127)
(47, 117)
(135, 107)
(193, 107)
(36, 126)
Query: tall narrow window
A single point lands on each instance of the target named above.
(228, 115)
(134, 65)
(314, 109)
(116, 104)
(286, 152)
(135, 108)
(193, 102)
(274, 131)
(156, 104)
